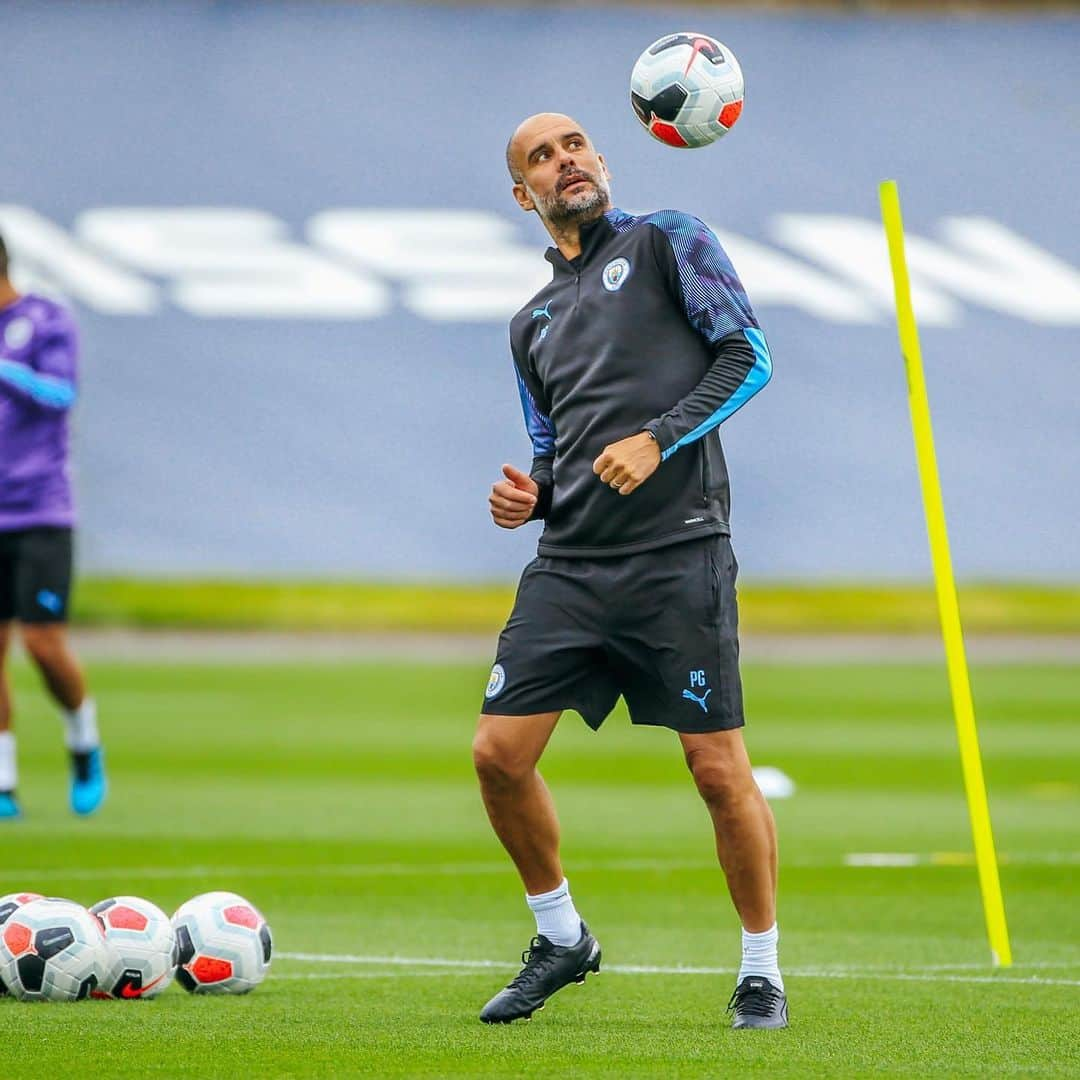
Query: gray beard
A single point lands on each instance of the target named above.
(587, 206)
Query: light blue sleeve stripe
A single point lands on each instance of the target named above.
(46, 390)
(755, 379)
(540, 428)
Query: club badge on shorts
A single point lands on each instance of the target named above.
(615, 274)
(496, 682)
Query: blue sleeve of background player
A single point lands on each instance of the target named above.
(44, 390)
(47, 377)
(717, 307)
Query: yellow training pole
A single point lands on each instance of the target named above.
(949, 609)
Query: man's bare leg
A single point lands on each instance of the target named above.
(743, 823)
(746, 845)
(9, 808)
(47, 644)
(5, 685)
(506, 750)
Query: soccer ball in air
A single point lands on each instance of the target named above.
(52, 950)
(223, 944)
(687, 89)
(143, 948)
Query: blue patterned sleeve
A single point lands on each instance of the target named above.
(715, 301)
(717, 306)
(541, 429)
(537, 423)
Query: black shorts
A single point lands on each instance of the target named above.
(35, 574)
(659, 627)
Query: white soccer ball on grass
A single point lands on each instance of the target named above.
(223, 944)
(52, 950)
(143, 946)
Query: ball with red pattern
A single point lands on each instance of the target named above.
(144, 948)
(52, 950)
(8, 906)
(13, 901)
(687, 89)
(223, 944)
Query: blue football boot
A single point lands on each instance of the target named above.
(9, 806)
(88, 783)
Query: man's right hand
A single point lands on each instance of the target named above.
(513, 500)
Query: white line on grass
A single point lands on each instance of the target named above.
(855, 859)
(391, 961)
(1033, 965)
(926, 975)
(321, 975)
(957, 858)
(882, 858)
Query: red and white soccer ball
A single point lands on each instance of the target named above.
(687, 89)
(8, 906)
(143, 946)
(223, 944)
(52, 950)
(13, 901)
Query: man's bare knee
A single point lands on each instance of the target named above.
(720, 778)
(507, 748)
(498, 763)
(45, 644)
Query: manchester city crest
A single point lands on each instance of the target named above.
(496, 682)
(18, 332)
(615, 274)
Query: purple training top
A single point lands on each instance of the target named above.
(39, 350)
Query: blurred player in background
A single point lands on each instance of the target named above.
(627, 362)
(38, 361)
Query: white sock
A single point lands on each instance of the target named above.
(556, 917)
(8, 772)
(81, 724)
(759, 956)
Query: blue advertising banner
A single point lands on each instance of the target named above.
(288, 235)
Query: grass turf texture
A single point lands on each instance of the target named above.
(299, 605)
(340, 800)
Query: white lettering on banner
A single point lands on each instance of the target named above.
(774, 278)
(453, 265)
(468, 265)
(991, 267)
(408, 243)
(1042, 288)
(233, 262)
(55, 259)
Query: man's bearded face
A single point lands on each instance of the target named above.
(577, 195)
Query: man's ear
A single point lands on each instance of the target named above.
(603, 165)
(521, 194)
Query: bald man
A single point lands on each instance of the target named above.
(642, 344)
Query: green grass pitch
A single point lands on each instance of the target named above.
(340, 799)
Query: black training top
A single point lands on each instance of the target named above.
(649, 329)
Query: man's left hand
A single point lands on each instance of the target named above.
(628, 463)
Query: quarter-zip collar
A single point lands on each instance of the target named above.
(594, 235)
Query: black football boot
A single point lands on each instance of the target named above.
(756, 1003)
(547, 968)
